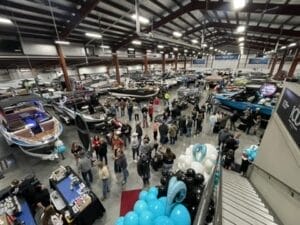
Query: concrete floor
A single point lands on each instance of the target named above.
(42, 169)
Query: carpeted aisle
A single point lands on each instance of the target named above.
(128, 199)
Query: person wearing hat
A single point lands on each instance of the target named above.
(135, 145)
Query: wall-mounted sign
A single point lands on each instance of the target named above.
(227, 57)
(259, 61)
(289, 113)
(198, 61)
(131, 53)
(268, 89)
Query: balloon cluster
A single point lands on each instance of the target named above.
(194, 183)
(153, 210)
(251, 152)
(200, 157)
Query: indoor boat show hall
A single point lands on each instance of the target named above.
(149, 112)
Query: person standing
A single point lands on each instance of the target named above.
(155, 129)
(234, 117)
(96, 145)
(182, 125)
(139, 131)
(103, 150)
(60, 148)
(145, 116)
(122, 107)
(135, 145)
(143, 169)
(126, 133)
(130, 110)
(151, 111)
(163, 133)
(172, 133)
(136, 112)
(156, 103)
(199, 120)
(168, 160)
(189, 126)
(222, 137)
(121, 163)
(104, 176)
(213, 119)
(85, 168)
(117, 142)
(167, 98)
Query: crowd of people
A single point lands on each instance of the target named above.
(131, 138)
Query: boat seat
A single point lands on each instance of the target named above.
(26, 133)
(47, 125)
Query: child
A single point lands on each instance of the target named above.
(104, 176)
(229, 159)
(60, 148)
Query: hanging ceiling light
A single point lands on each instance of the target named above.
(175, 49)
(62, 42)
(241, 44)
(195, 41)
(130, 49)
(93, 35)
(5, 21)
(177, 34)
(185, 50)
(283, 47)
(240, 29)
(136, 42)
(160, 46)
(142, 19)
(161, 52)
(211, 48)
(238, 4)
(241, 39)
(148, 51)
(104, 46)
(292, 44)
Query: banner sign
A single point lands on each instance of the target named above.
(289, 113)
(198, 61)
(227, 57)
(259, 61)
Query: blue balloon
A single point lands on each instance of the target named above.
(163, 220)
(157, 208)
(150, 197)
(140, 206)
(164, 202)
(180, 215)
(120, 221)
(143, 195)
(131, 218)
(154, 190)
(146, 218)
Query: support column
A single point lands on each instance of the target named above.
(246, 61)
(63, 66)
(294, 63)
(145, 64)
(273, 64)
(184, 64)
(212, 61)
(281, 62)
(115, 62)
(107, 70)
(206, 63)
(78, 74)
(239, 60)
(163, 62)
(176, 61)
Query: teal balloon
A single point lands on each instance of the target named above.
(131, 218)
(164, 202)
(120, 221)
(143, 195)
(154, 190)
(180, 215)
(150, 197)
(163, 220)
(140, 206)
(146, 218)
(157, 208)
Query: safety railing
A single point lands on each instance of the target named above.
(211, 191)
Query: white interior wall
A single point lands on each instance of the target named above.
(279, 155)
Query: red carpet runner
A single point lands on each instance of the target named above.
(128, 199)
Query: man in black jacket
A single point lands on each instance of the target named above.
(143, 169)
(163, 132)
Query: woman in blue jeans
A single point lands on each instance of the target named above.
(104, 176)
(121, 164)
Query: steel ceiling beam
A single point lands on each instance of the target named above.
(83, 12)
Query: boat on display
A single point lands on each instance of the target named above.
(25, 123)
(243, 100)
(84, 103)
(137, 93)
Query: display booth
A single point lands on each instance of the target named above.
(73, 199)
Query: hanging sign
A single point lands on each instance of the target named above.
(198, 61)
(131, 53)
(227, 57)
(259, 61)
(289, 113)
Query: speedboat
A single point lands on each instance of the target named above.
(25, 123)
(137, 93)
(83, 103)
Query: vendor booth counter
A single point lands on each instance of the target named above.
(77, 203)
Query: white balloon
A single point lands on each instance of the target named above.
(188, 161)
(189, 150)
(212, 157)
(198, 167)
(211, 150)
(208, 165)
(181, 162)
(206, 177)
